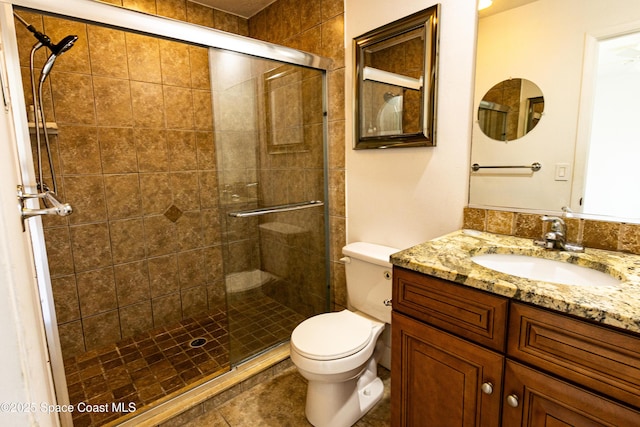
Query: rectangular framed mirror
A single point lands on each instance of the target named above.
(395, 83)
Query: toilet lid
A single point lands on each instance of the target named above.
(331, 335)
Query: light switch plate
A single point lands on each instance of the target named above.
(563, 172)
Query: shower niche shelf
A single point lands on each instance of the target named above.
(52, 128)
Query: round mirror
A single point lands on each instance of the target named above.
(510, 109)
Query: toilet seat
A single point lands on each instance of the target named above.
(331, 336)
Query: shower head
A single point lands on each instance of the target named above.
(64, 45)
(56, 50)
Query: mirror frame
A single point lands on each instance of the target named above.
(426, 19)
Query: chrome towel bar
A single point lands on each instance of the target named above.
(534, 167)
(278, 208)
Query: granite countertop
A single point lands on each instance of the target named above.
(449, 257)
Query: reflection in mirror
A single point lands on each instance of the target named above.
(392, 77)
(395, 83)
(587, 166)
(510, 109)
(613, 128)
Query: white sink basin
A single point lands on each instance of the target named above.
(545, 270)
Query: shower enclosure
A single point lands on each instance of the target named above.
(197, 176)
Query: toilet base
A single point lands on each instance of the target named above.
(341, 404)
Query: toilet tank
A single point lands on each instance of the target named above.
(368, 274)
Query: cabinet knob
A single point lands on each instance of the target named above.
(487, 388)
(512, 400)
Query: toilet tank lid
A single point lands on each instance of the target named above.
(370, 252)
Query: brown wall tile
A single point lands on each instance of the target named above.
(143, 56)
(113, 101)
(178, 103)
(77, 58)
(175, 63)
(200, 76)
(199, 14)
(136, 318)
(101, 329)
(123, 196)
(80, 153)
(159, 235)
(65, 295)
(147, 104)
(630, 238)
(90, 245)
(96, 291)
(500, 222)
(205, 146)
(127, 240)
(146, 6)
(166, 309)
(225, 21)
(189, 233)
(194, 300)
(333, 40)
(157, 190)
(132, 283)
(58, 242)
(117, 150)
(182, 150)
(71, 338)
(175, 9)
(87, 194)
(192, 268)
(74, 98)
(528, 225)
(202, 105)
(601, 235)
(108, 52)
(163, 275)
(611, 236)
(151, 151)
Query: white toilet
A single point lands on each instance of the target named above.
(338, 352)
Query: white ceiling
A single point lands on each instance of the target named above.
(243, 8)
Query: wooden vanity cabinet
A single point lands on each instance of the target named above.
(464, 357)
(437, 378)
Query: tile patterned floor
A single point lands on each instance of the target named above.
(280, 402)
(258, 322)
(157, 364)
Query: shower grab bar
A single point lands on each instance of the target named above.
(275, 209)
(534, 167)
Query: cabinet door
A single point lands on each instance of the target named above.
(439, 380)
(536, 399)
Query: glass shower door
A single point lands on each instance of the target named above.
(270, 133)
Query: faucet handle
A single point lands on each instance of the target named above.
(557, 223)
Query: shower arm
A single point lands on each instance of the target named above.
(42, 38)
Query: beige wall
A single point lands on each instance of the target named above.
(401, 197)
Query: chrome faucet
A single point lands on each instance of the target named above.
(557, 237)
